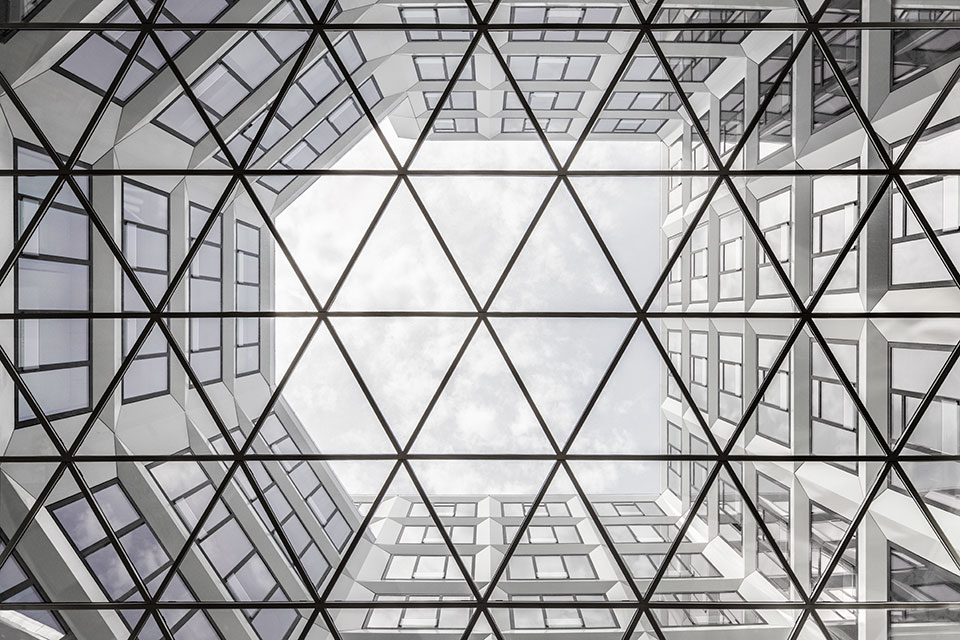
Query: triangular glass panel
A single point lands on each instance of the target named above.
(632, 236)
(331, 403)
(625, 417)
(562, 267)
(334, 212)
(402, 266)
(482, 219)
(403, 361)
(482, 408)
(561, 362)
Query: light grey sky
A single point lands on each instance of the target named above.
(403, 268)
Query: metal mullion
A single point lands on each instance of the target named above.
(602, 245)
(440, 388)
(520, 246)
(601, 385)
(362, 244)
(442, 243)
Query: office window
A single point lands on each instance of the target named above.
(206, 295)
(425, 568)
(444, 510)
(94, 61)
(775, 218)
(417, 534)
(730, 391)
(543, 100)
(674, 441)
(52, 274)
(915, 52)
(248, 297)
(683, 565)
(628, 125)
(552, 67)
(776, 123)
(913, 368)
(699, 263)
(834, 417)
(561, 618)
(913, 262)
(675, 277)
(543, 534)
(710, 16)
(636, 533)
(146, 246)
(455, 125)
(675, 351)
(773, 503)
(644, 101)
(19, 585)
(916, 579)
(773, 413)
(686, 69)
(450, 14)
(835, 213)
(827, 529)
(443, 618)
(829, 101)
(544, 509)
(731, 256)
(550, 567)
(442, 68)
(458, 100)
(562, 15)
(698, 369)
(525, 125)
(732, 118)
(699, 469)
(148, 557)
(225, 544)
(731, 510)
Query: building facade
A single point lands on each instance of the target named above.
(825, 388)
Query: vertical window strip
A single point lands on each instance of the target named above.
(248, 298)
(206, 295)
(53, 273)
(146, 246)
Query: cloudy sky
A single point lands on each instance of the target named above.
(403, 359)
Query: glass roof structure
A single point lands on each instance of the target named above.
(343, 319)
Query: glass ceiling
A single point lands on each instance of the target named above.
(480, 319)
